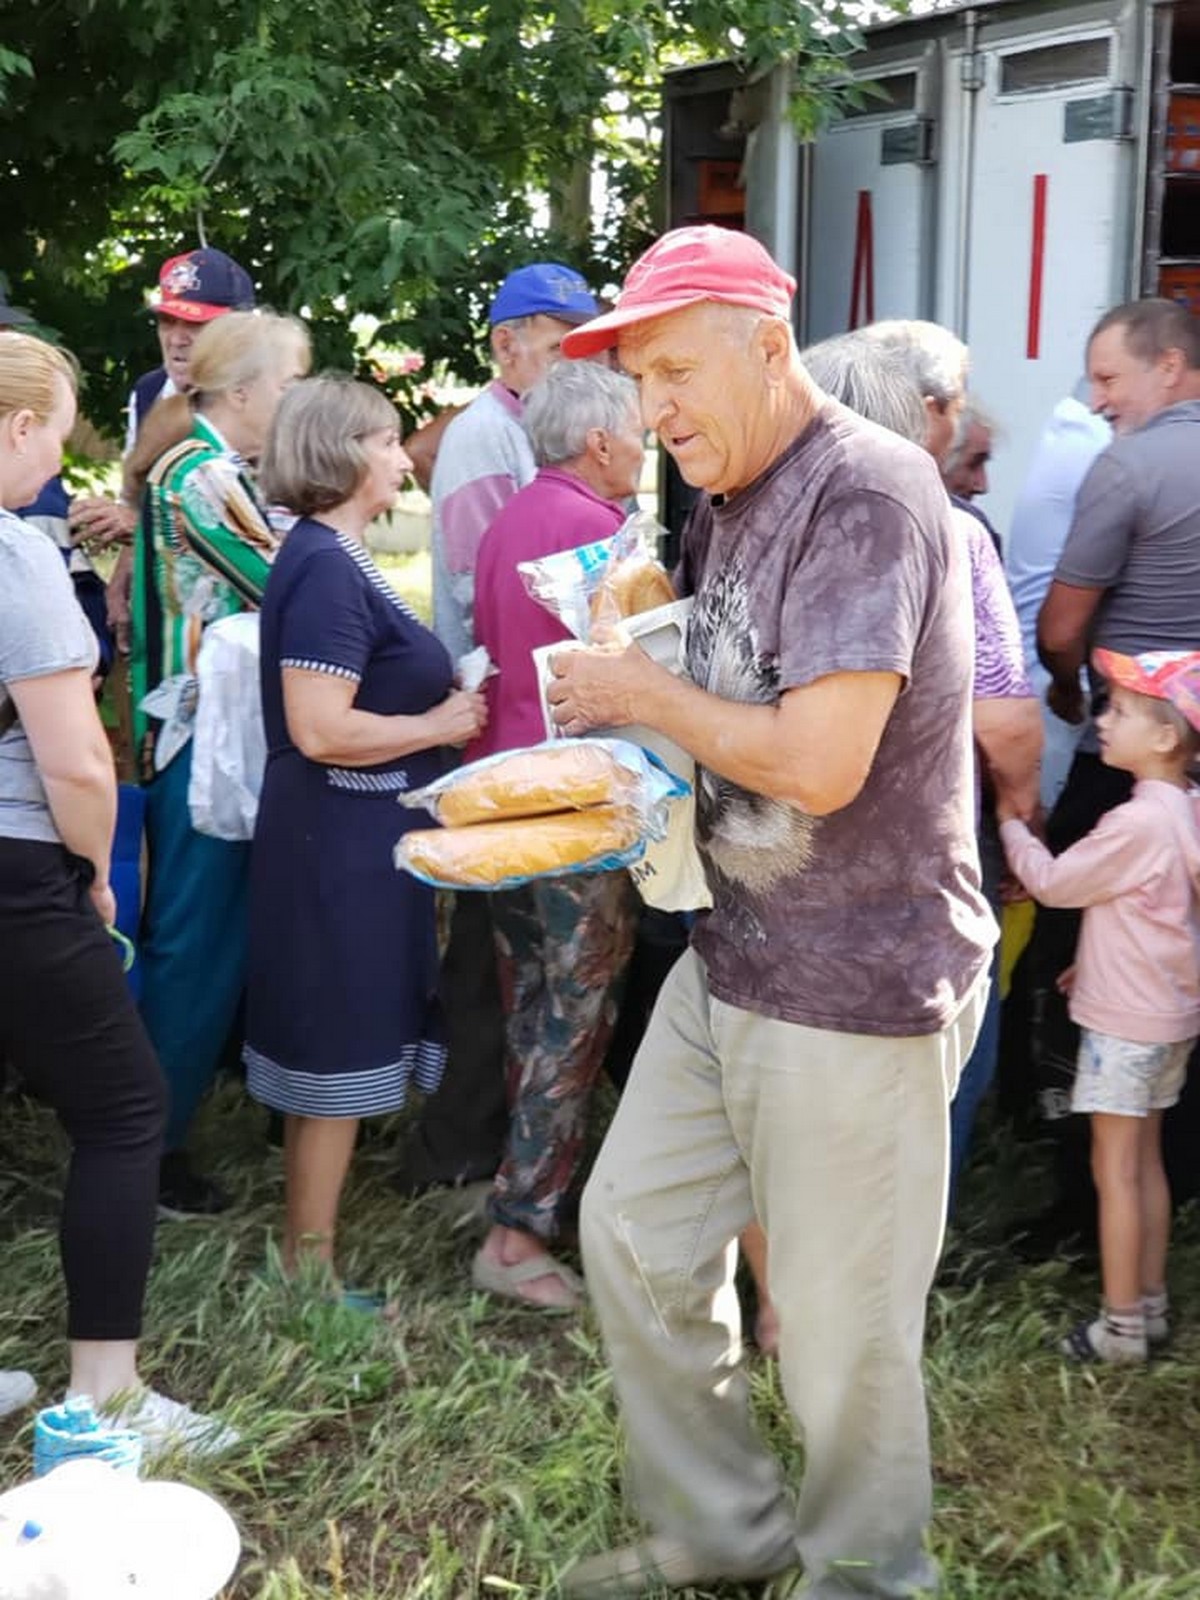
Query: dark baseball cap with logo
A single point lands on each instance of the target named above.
(201, 285)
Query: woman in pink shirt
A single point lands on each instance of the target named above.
(563, 943)
(1135, 986)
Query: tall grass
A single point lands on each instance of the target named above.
(470, 1450)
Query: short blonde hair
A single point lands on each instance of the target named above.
(241, 346)
(29, 369)
(315, 458)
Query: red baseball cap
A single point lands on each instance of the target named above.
(682, 268)
(1172, 675)
(200, 285)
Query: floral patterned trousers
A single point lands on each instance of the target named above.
(563, 946)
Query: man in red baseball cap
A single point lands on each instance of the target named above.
(193, 288)
(801, 1058)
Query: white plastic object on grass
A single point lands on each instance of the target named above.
(89, 1532)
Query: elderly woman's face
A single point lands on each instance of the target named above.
(261, 396)
(388, 464)
(704, 392)
(626, 451)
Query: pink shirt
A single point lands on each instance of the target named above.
(1137, 877)
(557, 511)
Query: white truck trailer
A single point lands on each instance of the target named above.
(1026, 164)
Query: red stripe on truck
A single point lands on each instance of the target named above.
(1037, 261)
(862, 287)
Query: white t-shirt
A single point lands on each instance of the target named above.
(133, 420)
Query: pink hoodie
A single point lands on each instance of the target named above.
(1137, 876)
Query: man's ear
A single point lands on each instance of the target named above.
(503, 341)
(1172, 364)
(774, 342)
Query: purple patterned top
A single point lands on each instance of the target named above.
(999, 659)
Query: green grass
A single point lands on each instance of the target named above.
(471, 1450)
(411, 577)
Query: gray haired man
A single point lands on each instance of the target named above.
(800, 1060)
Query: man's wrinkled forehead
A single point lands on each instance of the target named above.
(692, 330)
(1111, 345)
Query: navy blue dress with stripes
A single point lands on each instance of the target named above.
(342, 1008)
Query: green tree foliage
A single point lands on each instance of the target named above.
(379, 156)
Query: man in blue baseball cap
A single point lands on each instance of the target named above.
(485, 456)
(483, 459)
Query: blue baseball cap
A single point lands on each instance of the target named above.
(544, 288)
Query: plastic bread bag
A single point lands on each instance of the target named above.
(557, 775)
(501, 855)
(634, 581)
(229, 748)
(567, 582)
(630, 794)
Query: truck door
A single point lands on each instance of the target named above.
(1048, 214)
(870, 220)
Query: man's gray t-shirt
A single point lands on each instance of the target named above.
(42, 631)
(841, 558)
(1136, 535)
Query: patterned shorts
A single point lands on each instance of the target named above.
(1127, 1079)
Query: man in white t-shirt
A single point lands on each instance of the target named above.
(483, 459)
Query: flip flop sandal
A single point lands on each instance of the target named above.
(505, 1281)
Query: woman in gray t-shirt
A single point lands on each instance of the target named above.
(67, 1022)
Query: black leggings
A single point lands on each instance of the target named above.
(70, 1028)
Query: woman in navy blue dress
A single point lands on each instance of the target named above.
(358, 702)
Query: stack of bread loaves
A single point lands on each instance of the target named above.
(581, 805)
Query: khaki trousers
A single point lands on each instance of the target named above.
(839, 1143)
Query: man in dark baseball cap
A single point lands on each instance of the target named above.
(193, 289)
(200, 285)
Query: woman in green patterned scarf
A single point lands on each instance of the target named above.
(203, 551)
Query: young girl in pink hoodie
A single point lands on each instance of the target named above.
(1135, 985)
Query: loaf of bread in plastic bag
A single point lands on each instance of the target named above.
(631, 585)
(492, 853)
(533, 783)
